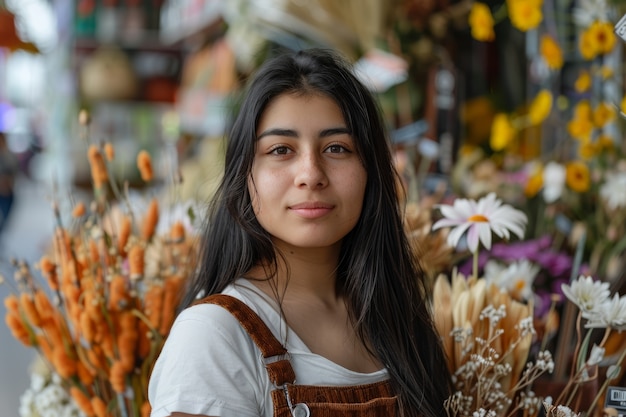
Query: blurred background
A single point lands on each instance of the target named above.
(160, 75)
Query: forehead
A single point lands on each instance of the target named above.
(308, 109)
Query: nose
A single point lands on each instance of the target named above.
(310, 171)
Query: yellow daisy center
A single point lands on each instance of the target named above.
(478, 218)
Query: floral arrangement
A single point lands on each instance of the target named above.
(111, 285)
(487, 326)
(558, 156)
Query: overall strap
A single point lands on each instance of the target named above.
(275, 355)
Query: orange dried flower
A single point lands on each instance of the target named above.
(144, 163)
(99, 407)
(109, 151)
(171, 299)
(84, 374)
(82, 400)
(63, 364)
(126, 344)
(49, 271)
(177, 232)
(96, 359)
(93, 305)
(118, 294)
(44, 346)
(87, 327)
(18, 329)
(124, 234)
(136, 261)
(12, 304)
(99, 173)
(144, 343)
(79, 210)
(153, 305)
(29, 309)
(52, 330)
(151, 220)
(117, 376)
(44, 308)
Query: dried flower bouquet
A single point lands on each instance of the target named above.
(109, 295)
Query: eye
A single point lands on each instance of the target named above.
(279, 150)
(336, 148)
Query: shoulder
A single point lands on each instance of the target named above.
(208, 365)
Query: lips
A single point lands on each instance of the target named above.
(311, 210)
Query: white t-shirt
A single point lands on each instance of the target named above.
(210, 366)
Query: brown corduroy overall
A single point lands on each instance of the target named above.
(290, 400)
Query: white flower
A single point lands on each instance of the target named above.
(516, 279)
(610, 313)
(613, 191)
(586, 293)
(553, 181)
(563, 411)
(46, 398)
(479, 220)
(596, 355)
(589, 11)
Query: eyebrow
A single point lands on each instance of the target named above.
(294, 134)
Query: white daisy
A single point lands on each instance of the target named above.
(479, 220)
(516, 279)
(611, 313)
(586, 293)
(613, 191)
(589, 11)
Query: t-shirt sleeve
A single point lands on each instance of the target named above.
(208, 366)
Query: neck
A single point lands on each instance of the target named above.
(303, 273)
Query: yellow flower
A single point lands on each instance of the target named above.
(586, 45)
(577, 176)
(525, 14)
(581, 125)
(603, 114)
(580, 128)
(587, 149)
(540, 107)
(551, 52)
(602, 37)
(583, 110)
(502, 132)
(481, 22)
(583, 82)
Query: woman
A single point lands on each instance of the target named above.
(306, 231)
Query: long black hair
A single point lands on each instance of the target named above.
(378, 274)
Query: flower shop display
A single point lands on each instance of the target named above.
(105, 294)
(487, 324)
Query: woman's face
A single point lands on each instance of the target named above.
(307, 182)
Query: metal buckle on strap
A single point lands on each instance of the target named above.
(276, 358)
(298, 410)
